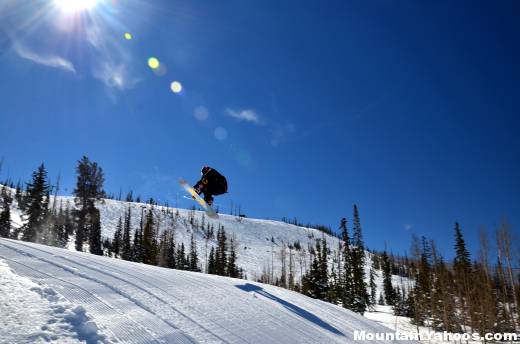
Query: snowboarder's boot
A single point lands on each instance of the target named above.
(209, 200)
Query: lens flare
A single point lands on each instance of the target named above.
(176, 87)
(128, 36)
(220, 133)
(153, 63)
(201, 113)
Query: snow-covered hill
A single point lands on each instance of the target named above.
(259, 243)
(63, 296)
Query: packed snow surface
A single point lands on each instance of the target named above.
(33, 314)
(48, 294)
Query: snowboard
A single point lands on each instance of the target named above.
(209, 211)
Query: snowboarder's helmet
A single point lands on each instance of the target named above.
(204, 170)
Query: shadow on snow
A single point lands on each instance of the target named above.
(293, 308)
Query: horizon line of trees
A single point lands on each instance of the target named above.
(322, 228)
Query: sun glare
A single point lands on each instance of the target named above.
(74, 6)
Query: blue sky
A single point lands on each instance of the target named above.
(409, 109)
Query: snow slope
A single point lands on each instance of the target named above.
(127, 302)
(51, 317)
(258, 242)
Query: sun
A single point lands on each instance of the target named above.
(75, 6)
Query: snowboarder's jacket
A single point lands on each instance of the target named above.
(212, 183)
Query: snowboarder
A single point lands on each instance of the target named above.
(212, 183)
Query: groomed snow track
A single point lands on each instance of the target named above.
(137, 303)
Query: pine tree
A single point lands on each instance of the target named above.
(36, 204)
(361, 298)
(117, 242)
(137, 247)
(334, 284)
(163, 259)
(404, 303)
(171, 261)
(95, 232)
(89, 189)
(212, 269)
(347, 292)
(89, 184)
(182, 262)
(387, 280)
(18, 196)
(462, 257)
(324, 270)
(221, 253)
(208, 235)
(311, 280)
(232, 269)
(462, 272)
(5, 214)
(376, 262)
(373, 287)
(59, 228)
(69, 223)
(315, 283)
(423, 285)
(149, 240)
(48, 234)
(126, 246)
(194, 259)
